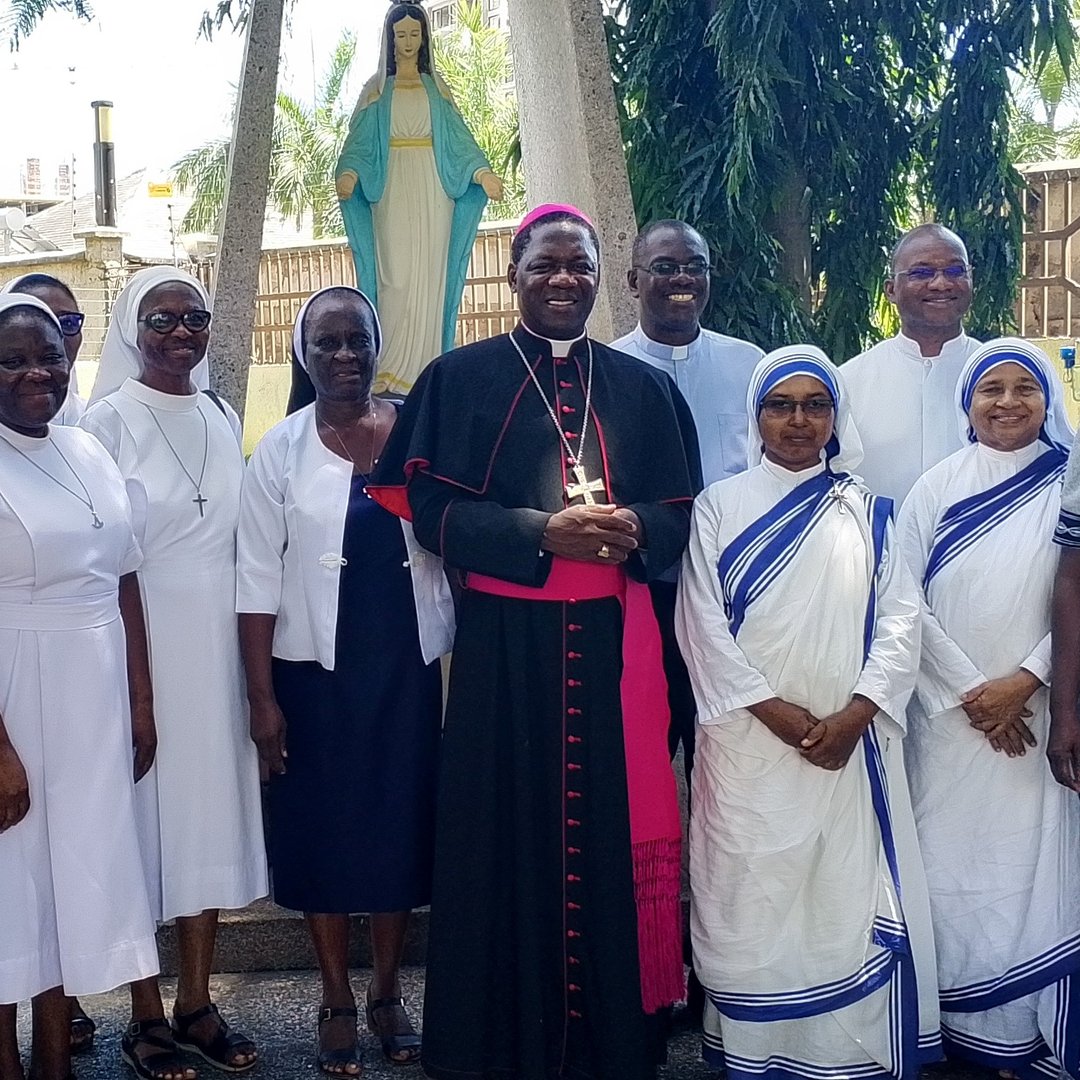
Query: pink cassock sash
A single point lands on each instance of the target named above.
(655, 830)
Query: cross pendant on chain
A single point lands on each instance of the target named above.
(200, 500)
(584, 486)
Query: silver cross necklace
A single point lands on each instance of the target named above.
(583, 486)
(200, 500)
(85, 498)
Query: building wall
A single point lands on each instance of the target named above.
(443, 13)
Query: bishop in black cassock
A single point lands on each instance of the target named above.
(555, 914)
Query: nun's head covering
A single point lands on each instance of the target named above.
(303, 392)
(1056, 429)
(120, 356)
(14, 300)
(844, 450)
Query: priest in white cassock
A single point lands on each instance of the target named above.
(1000, 839)
(670, 279)
(199, 809)
(74, 910)
(901, 390)
(800, 626)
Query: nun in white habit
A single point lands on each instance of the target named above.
(74, 911)
(799, 625)
(199, 808)
(1000, 838)
(59, 298)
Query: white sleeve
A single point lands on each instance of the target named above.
(722, 677)
(1038, 663)
(262, 533)
(945, 671)
(234, 423)
(888, 676)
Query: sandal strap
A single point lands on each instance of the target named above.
(328, 1013)
(185, 1020)
(222, 1045)
(139, 1031)
(385, 1003)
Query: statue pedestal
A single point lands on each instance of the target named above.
(570, 139)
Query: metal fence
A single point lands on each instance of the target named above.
(288, 276)
(1048, 305)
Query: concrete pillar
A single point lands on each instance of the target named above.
(571, 145)
(240, 243)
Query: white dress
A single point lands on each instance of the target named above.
(73, 898)
(904, 408)
(199, 807)
(794, 901)
(412, 223)
(1000, 839)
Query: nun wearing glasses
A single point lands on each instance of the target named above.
(60, 300)
(1000, 838)
(799, 622)
(199, 808)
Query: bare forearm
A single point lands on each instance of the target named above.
(257, 649)
(1065, 634)
(140, 686)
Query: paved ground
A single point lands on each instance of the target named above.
(278, 1010)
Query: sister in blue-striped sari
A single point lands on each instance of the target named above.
(1001, 839)
(799, 623)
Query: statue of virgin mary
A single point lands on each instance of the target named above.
(413, 185)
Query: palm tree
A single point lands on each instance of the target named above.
(22, 16)
(1036, 131)
(307, 142)
(474, 59)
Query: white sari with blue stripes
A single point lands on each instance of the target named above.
(809, 913)
(1001, 840)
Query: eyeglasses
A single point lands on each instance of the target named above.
(670, 268)
(782, 408)
(924, 274)
(71, 323)
(165, 322)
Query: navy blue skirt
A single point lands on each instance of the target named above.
(352, 819)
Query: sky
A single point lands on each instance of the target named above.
(171, 90)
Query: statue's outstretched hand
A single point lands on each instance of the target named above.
(346, 184)
(492, 185)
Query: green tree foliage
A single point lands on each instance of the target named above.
(474, 59)
(306, 145)
(21, 17)
(802, 136)
(1043, 122)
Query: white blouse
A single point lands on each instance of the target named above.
(289, 547)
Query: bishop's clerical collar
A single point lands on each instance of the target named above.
(559, 349)
(666, 352)
(912, 348)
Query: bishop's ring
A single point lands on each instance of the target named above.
(604, 552)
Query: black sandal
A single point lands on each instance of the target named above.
(218, 1051)
(164, 1059)
(83, 1030)
(404, 1042)
(335, 1062)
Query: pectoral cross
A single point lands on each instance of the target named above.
(584, 487)
(200, 499)
(837, 495)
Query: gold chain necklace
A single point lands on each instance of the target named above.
(372, 459)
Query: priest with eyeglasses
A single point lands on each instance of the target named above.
(557, 475)
(902, 390)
